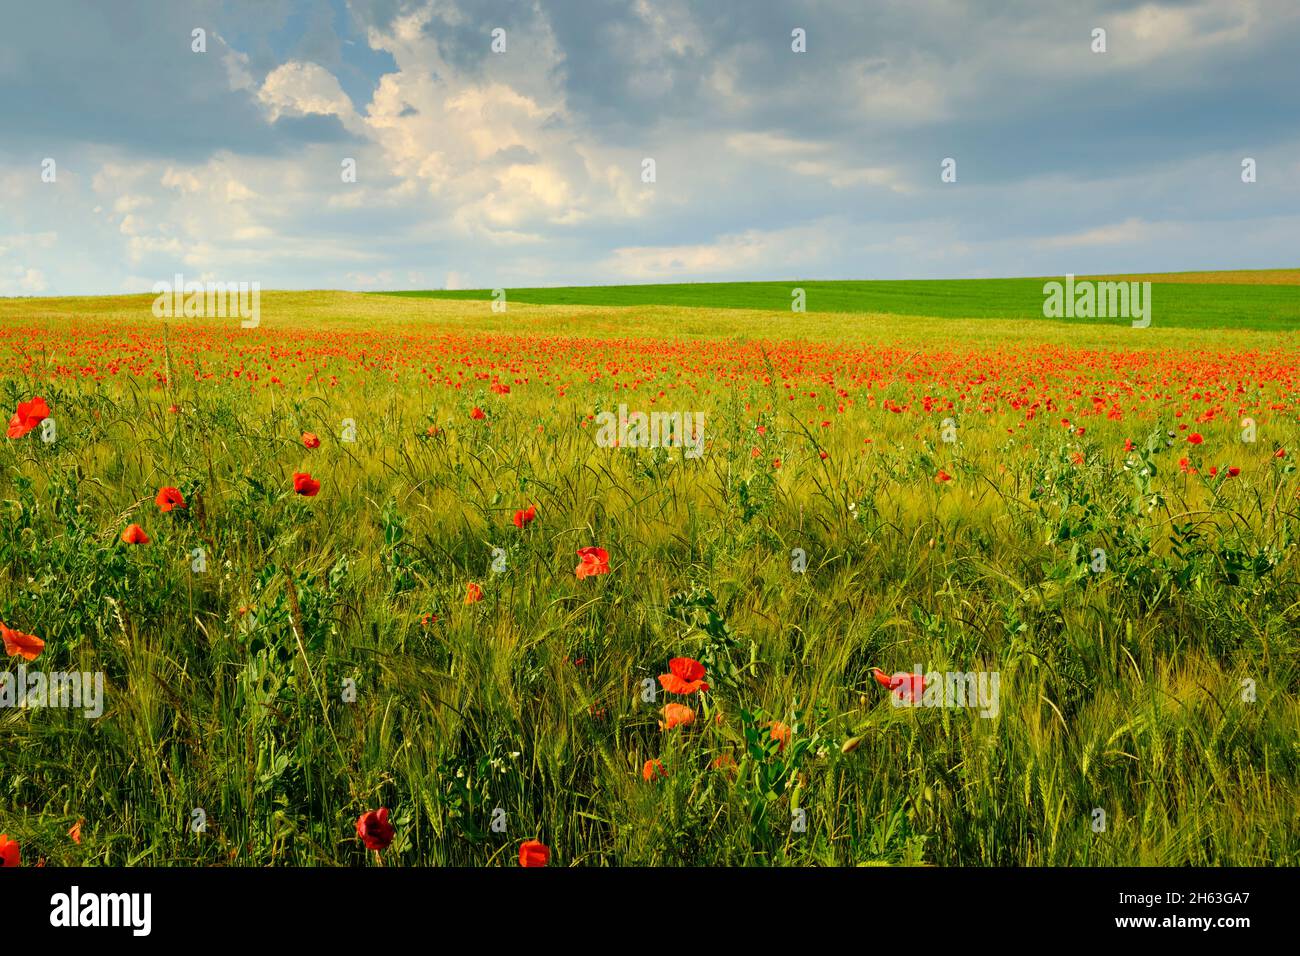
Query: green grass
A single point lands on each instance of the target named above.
(1236, 304)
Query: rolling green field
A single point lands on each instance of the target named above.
(1268, 300)
(1104, 517)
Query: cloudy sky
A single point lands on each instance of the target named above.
(477, 168)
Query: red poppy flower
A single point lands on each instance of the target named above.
(1234, 471)
(781, 733)
(477, 414)
(1195, 438)
(18, 644)
(473, 593)
(686, 676)
(134, 534)
(28, 416)
(534, 853)
(905, 686)
(374, 829)
(9, 855)
(303, 484)
(169, 498)
(676, 715)
(75, 832)
(524, 517)
(942, 476)
(1280, 453)
(593, 561)
(310, 440)
(653, 769)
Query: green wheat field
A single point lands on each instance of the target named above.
(906, 475)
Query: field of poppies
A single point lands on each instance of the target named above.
(377, 583)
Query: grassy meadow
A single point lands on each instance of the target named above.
(948, 462)
(1265, 299)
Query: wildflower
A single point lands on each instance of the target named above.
(592, 561)
(169, 498)
(534, 853)
(310, 440)
(676, 715)
(374, 829)
(134, 534)
(651, 770)
(473, 593)
(28, 416)
(523, 518)
(18, 644)
(305, 485)
(685, 677)
(905, 686)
